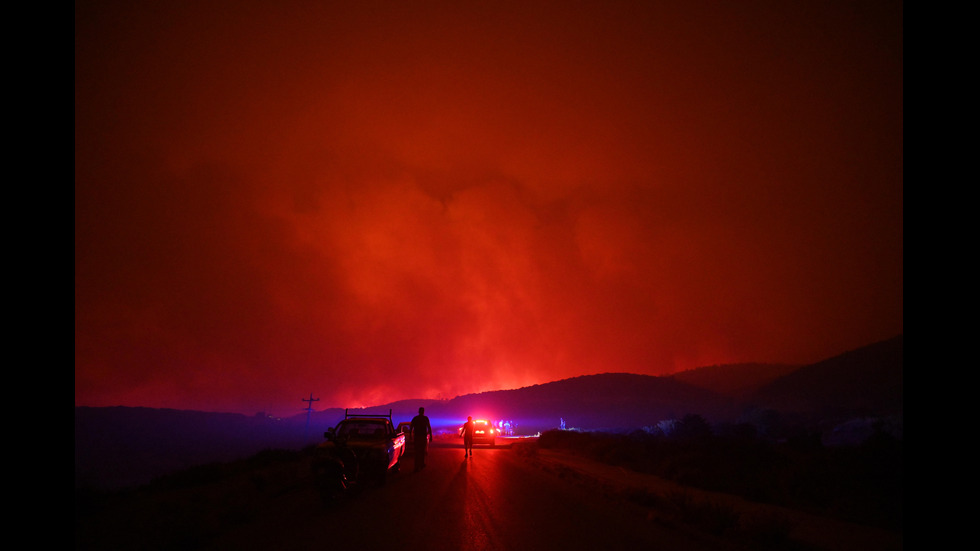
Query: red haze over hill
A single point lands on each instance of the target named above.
(373, 202)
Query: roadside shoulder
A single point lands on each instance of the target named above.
(677, 503)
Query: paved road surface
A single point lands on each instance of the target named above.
(491, 501)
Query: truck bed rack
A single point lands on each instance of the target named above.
(348, 415)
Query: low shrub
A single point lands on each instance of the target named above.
(861, 484)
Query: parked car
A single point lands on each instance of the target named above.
(483, 432)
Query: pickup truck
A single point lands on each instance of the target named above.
(361, 448)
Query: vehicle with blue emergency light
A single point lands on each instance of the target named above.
(483, 432)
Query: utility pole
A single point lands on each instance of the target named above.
(309, 412)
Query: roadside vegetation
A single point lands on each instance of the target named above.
(861, 483)
(187, 509)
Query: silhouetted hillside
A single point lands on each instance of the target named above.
(861, 383)
(864, 382)
(611, 401)
(735, 380)
(117, 447)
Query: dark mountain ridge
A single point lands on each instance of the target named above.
(866, 381)
(118, 447)
(734, 380)
(613, 401)
(125, 446)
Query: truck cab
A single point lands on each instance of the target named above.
(361, 447)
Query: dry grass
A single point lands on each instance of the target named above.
(757, 525)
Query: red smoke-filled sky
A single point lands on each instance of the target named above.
(371, 201)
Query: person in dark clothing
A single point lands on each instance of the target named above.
(468, 436)
(421, 436)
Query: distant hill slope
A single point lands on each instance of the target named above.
(614, 401)
(735, 380)
(116, 447)
(120, 446)
(867, 381)
(609, 400)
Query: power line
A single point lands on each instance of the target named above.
(309, 411)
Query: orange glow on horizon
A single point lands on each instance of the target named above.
(420, 202)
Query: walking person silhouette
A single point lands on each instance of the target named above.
(421, 436)
(468, 437)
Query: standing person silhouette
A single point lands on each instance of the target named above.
(421, 436)
(468, 437)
